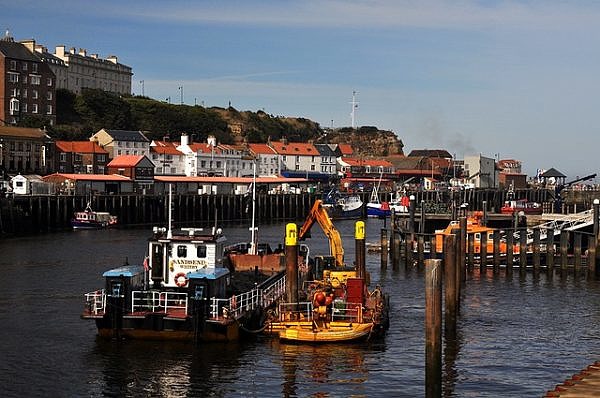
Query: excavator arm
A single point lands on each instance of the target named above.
(319, 214)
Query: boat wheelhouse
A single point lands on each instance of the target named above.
(90, 219)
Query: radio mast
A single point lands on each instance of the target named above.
(354, 108)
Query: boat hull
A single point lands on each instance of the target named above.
(160, 328)
(333, 332)
(336, 213)
(375, 210)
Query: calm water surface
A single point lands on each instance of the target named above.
(517, 337)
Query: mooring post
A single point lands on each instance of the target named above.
(483, 250)
(433, 328)
(496, 238)
(576, 251)
(485, 213)
(359, 245)
(384, 248)
(291, 262)
(596, 240)
(522, 248)
(564, 244)
(510, 239)
(536, 248)
(422, 220)
(450, 282)
(471, 239)
(550, 249)
(462, 253)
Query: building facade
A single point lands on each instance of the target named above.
(25, 150)
(91, 71)
(80, 157)
(27, 85)
(122, 142)
(267, 160)
(481, 171)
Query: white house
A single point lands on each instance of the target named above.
(297, 156)
(267, 160)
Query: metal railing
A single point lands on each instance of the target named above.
(149, 300)
(339, 311)
(95, 302)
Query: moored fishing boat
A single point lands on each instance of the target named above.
(376, 208)
(340, 207)
(90, 219)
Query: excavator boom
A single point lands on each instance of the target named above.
(318, 214)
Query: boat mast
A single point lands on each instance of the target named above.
(253, 228)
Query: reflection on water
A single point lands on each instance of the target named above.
(518, 333)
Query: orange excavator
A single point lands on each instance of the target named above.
(331, 269)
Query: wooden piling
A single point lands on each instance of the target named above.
(384, 248)
(550, 249)
(421, 249)
(591, 256)
(291, 262)
(483, 251)
(576, 251)
(496, 250)
(522, 248)
(450, 282)
(510, 241)
(462, 252)
(536, 248)
(359, 245)
(564, 245)
(433, 328)
(471, 251)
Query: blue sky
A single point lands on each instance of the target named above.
(515, 78)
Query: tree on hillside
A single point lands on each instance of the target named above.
(99, 109)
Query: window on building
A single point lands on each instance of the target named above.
(297, 167)
(13, 77)
(34, 67)
(49, 82)
(49, 95)
(34, 79)
(24, 93)
(34, 94)
(218, 164)
(24, 65)
(13, 64)
(121, 171)
(13, 106)
(15, 92)
(297, 158)
(201, 251)
(102, 158)
(101, 169)
(49, 109)
(312, 167)
(34, 108)
(63, 157)
(24, 107)
(182, 251)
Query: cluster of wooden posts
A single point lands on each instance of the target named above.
(459, 256)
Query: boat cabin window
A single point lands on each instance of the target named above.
(181, 251)
(201, 251)
(116, 289)
(477, 236)
(199, 292)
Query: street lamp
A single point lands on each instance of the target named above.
(181, 94)
(142, 83)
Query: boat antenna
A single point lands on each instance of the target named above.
(214, 231)
(253, 228)
(169, 231)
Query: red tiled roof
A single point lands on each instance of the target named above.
(79, 147)
(367, 162)
(294, 148)
(165, 147)
(86, 177)
(204, 148)
(346, 149)
(125, 161)
(262, 149)
(232, 180)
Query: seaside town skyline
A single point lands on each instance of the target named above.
(504, 79)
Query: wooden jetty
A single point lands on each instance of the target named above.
(584, 384)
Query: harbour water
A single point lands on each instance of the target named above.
(517, 336)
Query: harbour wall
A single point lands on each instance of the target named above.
(28, 214)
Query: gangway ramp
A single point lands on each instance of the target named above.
(559, 223)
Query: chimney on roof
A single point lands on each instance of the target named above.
(166, 138)
(184, 139)
(95, 56)
(29, 44)
(284, 141)
(112, 58)
(212, 140)
(59, 51)
(72, 50)
(82, 52)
